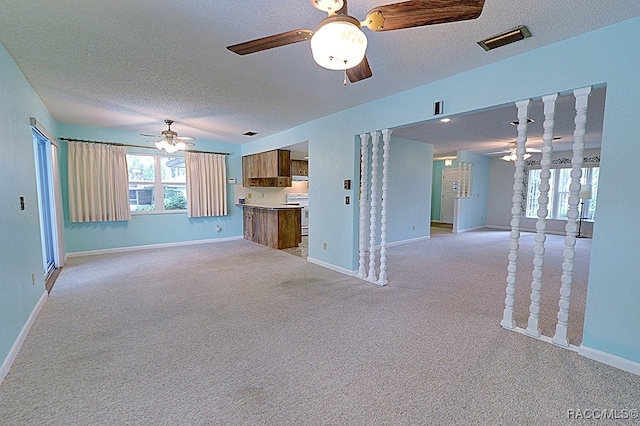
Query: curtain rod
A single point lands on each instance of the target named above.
(139, 146)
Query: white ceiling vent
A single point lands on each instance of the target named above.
(508, 37)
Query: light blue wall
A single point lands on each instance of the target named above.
(20, 248)
(609, 55)
(473, 210)
(409, 197)
(148, 228)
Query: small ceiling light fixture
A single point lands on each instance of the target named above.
(170, 142)
(448, 162)
(338, 43)
(249, 134)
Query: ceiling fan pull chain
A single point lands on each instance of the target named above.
(345, 74)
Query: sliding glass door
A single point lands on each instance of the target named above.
(46, 201)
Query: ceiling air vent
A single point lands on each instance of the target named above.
(505, 38)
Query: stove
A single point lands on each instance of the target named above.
(301, 199)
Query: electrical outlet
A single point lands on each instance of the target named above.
(414, 227)
(347, 200)
(218, 228)
(21, 203)
(324, 245)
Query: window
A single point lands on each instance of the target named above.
(150, 175)
(559, 182)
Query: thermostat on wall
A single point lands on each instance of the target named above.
(231, 180)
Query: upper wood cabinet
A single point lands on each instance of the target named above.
(270, 168)
(299, 168)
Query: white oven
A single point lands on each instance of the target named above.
(301, 199)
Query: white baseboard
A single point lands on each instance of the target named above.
(612, 360)
(507, 228)
(13, 353)
(411, 240)
(475, 228)
(332, 267)
(150, 246)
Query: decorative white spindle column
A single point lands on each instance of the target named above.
(386, 138)
(582, 99)
(364, 176)
(543, 202)
(516, 212)
(375, 139)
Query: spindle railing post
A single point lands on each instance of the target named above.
(582, 100)
(386, 138)
(543, 202)
(516, 214)
(375, 139)
(364, 181)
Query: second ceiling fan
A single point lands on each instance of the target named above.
(339, 43)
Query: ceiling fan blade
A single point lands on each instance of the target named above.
(186, 138)
(270, 42)
(417, 13)
(360, 71)
(149, 136)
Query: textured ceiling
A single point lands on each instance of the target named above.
(129, 64)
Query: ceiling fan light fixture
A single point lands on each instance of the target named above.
(170, 142)
(329, 6)
(514, 157)
(339, 43)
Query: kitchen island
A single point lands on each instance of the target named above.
(276, 226)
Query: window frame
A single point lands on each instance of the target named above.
(555, 195)
(158, 184)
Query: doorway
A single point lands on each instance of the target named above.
(47, 176)
(449, 182)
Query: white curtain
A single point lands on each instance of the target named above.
(206, 184)
(98, 182)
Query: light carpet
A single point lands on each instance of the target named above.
(234, 333)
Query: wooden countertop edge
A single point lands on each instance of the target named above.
(269, 207)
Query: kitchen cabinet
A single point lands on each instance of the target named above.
(275, 227)
(270, 168)
(299, 168)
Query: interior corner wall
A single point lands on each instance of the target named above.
(409, 199)
(22, 278)
(500, 193)
(147, 229)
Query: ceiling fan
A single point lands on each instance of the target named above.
(510, 154)
(169, 140)
(339, 43)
